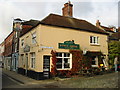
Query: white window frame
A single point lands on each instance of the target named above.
(69, 58)
(34, 38)
(96, 62)
(95, 40)
(32, 60)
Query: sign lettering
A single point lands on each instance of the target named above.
(68, 45)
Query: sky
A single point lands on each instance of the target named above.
(106, 11)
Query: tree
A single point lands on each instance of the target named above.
(114, 50)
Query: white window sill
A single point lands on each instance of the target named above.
(93, 44)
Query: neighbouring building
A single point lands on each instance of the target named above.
(2, 54)
(115, 36)
(17, 27)
(60, 34)
(109, 30)
(8, 42)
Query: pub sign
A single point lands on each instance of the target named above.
(68, 45)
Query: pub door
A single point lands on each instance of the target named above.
(46, 67)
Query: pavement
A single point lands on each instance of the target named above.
(24, 79)
(59, 83)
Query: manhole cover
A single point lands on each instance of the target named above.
(51, 86)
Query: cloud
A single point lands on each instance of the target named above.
(119, 14)
(106, 12)
(82, 9)
(90, 10)
(5, 18)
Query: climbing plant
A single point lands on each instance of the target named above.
(76, 61)
(53, 66)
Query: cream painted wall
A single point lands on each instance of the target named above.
(50, 36)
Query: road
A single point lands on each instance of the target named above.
(109, 80)
(8, 82)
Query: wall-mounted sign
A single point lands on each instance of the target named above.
(27, 48)
(68, 45)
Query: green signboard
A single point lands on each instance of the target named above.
(69, 45)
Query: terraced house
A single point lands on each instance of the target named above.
(60, 34)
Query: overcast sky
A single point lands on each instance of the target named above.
(90, 10)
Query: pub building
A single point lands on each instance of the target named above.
(60, 34)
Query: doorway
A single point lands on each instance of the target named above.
(46, 67)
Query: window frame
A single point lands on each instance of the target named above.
(22, 59)
(32, 60)
(34, 38)
(63, 60)
(22, 42)
(94, 40)
(96, 61)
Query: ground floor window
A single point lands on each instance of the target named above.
(94, 61)
(63, 60)
(32, 55)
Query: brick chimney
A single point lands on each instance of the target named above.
(98, 23)
(67, 9)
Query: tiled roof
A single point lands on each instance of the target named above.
(31, 22)
(25, 29)
(69, 22)
(107, 29)
(28, 25)
(65, 22)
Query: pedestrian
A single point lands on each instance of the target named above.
(116, 63)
